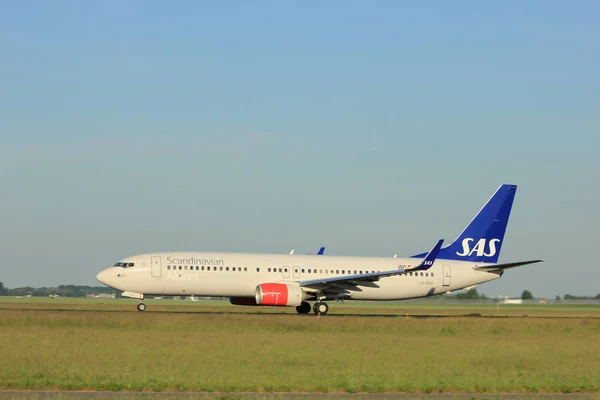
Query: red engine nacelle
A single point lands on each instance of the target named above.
(279, 294)
(243, 301)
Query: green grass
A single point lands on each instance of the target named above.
(154, 351)
(411, 307)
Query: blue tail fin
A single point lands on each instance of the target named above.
(481, 240)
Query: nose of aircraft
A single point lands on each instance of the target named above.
(104, 276)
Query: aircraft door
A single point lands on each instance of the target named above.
(296, 271)
(156, 267)
(447, 273)
(286, 271)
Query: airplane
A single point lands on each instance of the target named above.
(295, 280)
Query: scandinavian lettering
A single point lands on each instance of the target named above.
(194, 261)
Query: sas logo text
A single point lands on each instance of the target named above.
(479, 248)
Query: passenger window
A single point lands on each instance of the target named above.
(220, 268)
(180, 267)
(202, 268)
(268, 269)
(168, 267)
(302, 270)
(432, 274)
(285, 270)
(208, 268)
(257, 269)
(279, 269)
(226, 268)
(239, 269)
(343, 272)
(308, 270)
(245, 269)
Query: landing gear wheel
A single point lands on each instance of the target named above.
(303, 308)
(321, 308)
(141, 307)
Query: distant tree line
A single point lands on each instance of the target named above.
(571, 297)
(61, 290)
(470, 294)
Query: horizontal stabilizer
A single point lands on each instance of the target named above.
(496, 267)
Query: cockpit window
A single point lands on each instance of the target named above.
(124, 265)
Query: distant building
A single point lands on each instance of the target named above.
(512, 301)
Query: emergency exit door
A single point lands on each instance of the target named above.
(156, 267)
(447, 275)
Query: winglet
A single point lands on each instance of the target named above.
(321, 251)
(431, 256)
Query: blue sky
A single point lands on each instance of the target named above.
(369, 127)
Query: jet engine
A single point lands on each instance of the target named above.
(279, 294)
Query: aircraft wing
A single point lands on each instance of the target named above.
(342, 284)
(495, 267)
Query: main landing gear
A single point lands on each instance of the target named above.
(319, 307)
(141, 306)
(303, 308)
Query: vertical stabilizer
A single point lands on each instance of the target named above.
(482, 239)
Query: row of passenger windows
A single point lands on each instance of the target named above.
(285, 270)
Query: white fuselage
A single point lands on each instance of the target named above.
(238, 274)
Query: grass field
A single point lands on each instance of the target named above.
(205, 351)
(411, 307)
